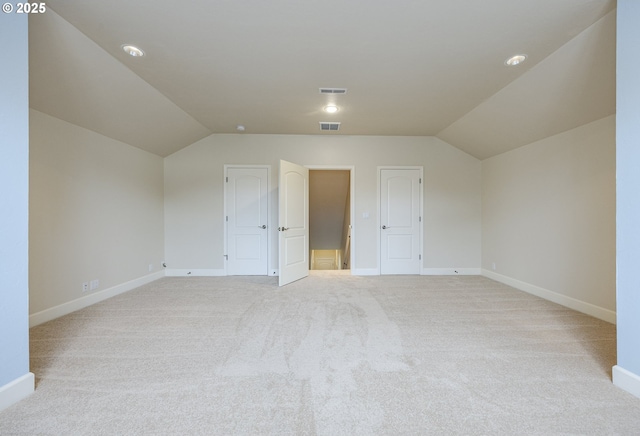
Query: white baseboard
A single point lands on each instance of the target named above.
(571, 303)
(626, 380)
(16, 390)
(174, 272)
(365, 272)
(451, 271)
(424, 272)
(86, 301)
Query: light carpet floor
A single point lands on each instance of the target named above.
(327, 355)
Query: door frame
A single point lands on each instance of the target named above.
(352, 202)
(379, 208)
(225, 212)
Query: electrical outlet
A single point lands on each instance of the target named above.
(493, 266)
(150, 267)
(94, 284)
(85, 286)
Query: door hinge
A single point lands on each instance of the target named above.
(419, 219)
(419, 256)
(420, 180)
(226, 257)
(226, 218)
(226, 179)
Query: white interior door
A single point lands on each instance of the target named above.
(247, 214)
(400, 221)
(293, 222)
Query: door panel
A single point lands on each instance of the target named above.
(399, 201)
(247, 213)
(294, 250)
(245, 247)
(293, 225)
(295, 212)
(400, 246)
(400, 221)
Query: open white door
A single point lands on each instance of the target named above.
(293, 222)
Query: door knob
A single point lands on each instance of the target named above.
(384, 227)
(263, 226)
(282, 229)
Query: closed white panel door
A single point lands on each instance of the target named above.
(400, 221)
(293, 222)
(247, 209)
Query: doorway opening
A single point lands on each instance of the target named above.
(330, 230)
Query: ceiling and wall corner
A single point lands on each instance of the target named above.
(73, 79)
(427, 69)
(572, 87)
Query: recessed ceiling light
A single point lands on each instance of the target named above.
(132, 50)
(515, 60)
(240, 128)
(331, 109)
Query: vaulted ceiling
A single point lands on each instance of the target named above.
(411, 67)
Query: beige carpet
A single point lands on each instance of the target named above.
(328, 355)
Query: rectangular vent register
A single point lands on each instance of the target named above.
(333, 90)
(329, 126)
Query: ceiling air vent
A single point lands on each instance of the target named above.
(329, 126)
(333, 90)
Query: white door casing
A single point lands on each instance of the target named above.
(247, 212)
(400, 220)
(293, 222)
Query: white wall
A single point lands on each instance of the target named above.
(194, 236)
(548, 217)
(16, 381)
(96, 209)
(627, 373)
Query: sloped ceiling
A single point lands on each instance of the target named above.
(412, 67)
(573, 86)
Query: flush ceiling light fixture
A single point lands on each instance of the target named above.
(331, 109)
(515, 60)
(132, 50)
